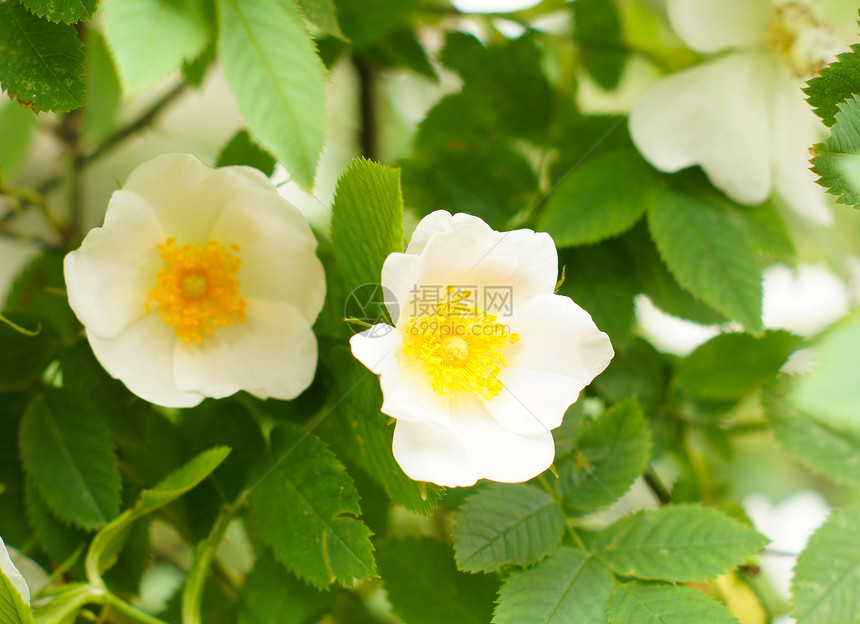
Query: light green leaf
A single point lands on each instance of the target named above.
(731, 365)
(103, 89)
(68, 453)
(830, 451)
(68, 11)
(834, 84)
(709, 255)
(611, 452)
(110, 539)
(270, 595)
(677, 543)
(829, 391)
(367, 221)
(827, 574)
(42, 64)
(278, 79)
(568, 586)
(13, 609)
(656, 603)
(423, 567)
(16, 133)
(303, 486)
(840, 151)
(590, 204)
(323, 14)
(150, 39)
(241, 150)
(506, 523)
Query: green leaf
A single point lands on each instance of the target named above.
(323, 15)
(827, 574)
(111, 538)
(68, 11)
(277, 78)
(150, 39)
(270, 594)
(401, 48)
(68, 453)
(839, 151)
(13, 609)
(103, 89)
(241, 150)
(506, 523)
(709, 255)
(729, 366)
(597, 31)
(639, 371)
(831, 451)
(42, 65)
(23, 358)
(423, 567)
(368, 22)
(656, 603)
(568, 586)
(829, 391)
(834, 84)
(590, 205)
(612, 451)
(367, 221)
(677, 543)
(58, 539)
(16, 133)
(303, 486)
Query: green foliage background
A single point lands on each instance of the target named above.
(241, 511)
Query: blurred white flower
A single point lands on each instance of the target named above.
(201, 282)
(803, 300)
(789, 525)
(742, 115)
(11, 572)
(484, 358)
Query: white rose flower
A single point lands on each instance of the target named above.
(201, 282)
(484, 358)
(11, 572)
(741, 116)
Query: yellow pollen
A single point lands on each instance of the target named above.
(803, 43)
(197, 288)
(460, 346)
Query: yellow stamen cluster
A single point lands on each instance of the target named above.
(803, 43)
(460, 346)
(197, 288)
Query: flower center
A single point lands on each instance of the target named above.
(802, 42)
(197, 288)
(460, 346)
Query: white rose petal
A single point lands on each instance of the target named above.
(479, 404)
(258, 338)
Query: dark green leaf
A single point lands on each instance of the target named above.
(150, 39)
(597, 30)
(368, 22)
(731, 365)
(834, 84)
(303, 486)
(638, 371)
(656, 603)
(568, 586)
(591, 205)
(23, 358)
(277, 78)
(323, 14)
(68, 11)
(838, 152)
(677, 543)
(42, 65)
(58, 539)
(68, 453)
(422, 567)
(241, 150)
(506, 523)
(271, 595)
(709, 255)
(40, 291)
(401, 48)
(827, 574)
(612, 451)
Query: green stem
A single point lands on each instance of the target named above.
(136, 614)
(658, 489)
(192, 593)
